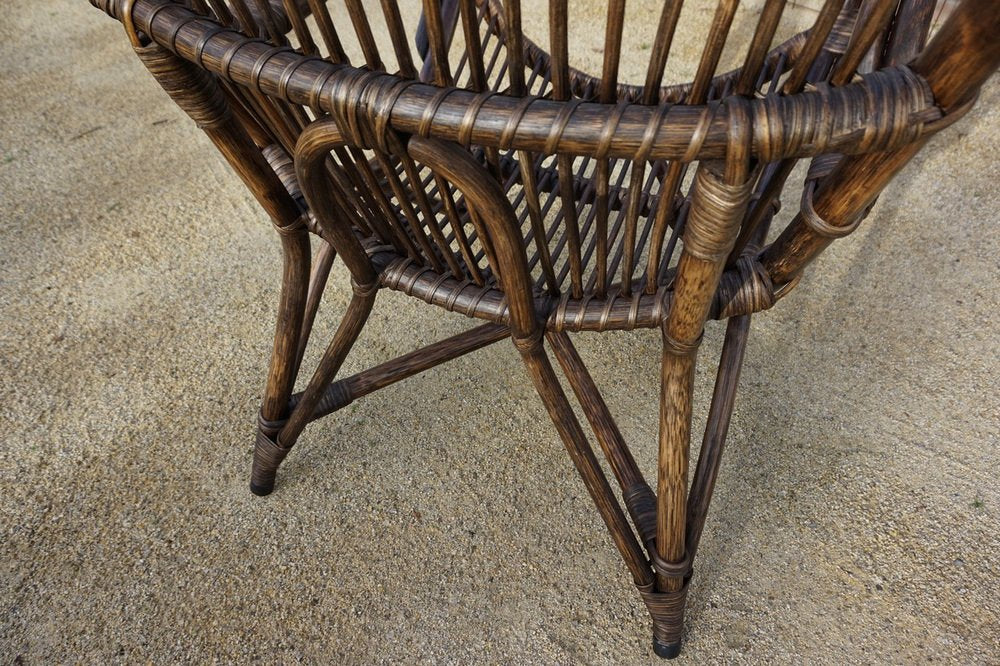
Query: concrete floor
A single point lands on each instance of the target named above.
(856, 520)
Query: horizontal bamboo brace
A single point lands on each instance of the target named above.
(743, 289)
(798, 125)
(345, 391)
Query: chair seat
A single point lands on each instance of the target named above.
(610, 307)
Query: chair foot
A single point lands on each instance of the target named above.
(667, 612)
(267, 456)
(259, 490)
(666, 650)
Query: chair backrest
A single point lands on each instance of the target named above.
(568, 112)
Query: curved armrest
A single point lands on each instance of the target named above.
(311, 151)
(485, 196)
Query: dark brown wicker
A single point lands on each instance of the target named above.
(483, 174)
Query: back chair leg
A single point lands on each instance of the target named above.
(685, 512)
(666, 607)
(672, 565)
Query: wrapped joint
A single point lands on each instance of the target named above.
(559, 125)
(336, 396)
(529, 343)
(270, 428)
(679, 348)
(744, 290)
(267, 457)
(667, 611)
(469, 120)
(716, 211)
(296, 226)
(952, 114)
(822, 166)
(679, 569)
(364, 290)
(641, 504)
(820, 226)
(896, 104)
(350, 95)
(843, 28)
(284, 168)
(193, 89)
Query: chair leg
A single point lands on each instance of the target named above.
(665, 592)
(199, 94)
(683, 513)
(672, 565)
(276, 438)
(282, 370)
(271, 450)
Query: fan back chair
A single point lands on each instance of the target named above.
(466, 165)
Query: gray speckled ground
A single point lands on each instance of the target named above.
(857, 518)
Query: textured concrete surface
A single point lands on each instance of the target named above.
(857, 517)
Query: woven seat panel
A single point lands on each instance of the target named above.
(552, 209)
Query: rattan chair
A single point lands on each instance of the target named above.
(468, 166)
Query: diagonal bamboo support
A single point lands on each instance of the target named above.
(269, 453)
(317, 284)
(639, 498)
(716, 429)
(582, 455)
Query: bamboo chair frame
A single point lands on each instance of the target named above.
(429, 180)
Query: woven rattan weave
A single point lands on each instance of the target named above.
(473, 164)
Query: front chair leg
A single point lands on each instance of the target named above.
(671, 558)
(284, 356)
(277, 438)
(271, 451)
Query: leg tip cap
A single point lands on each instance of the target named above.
(260, 491)
(666, 650)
